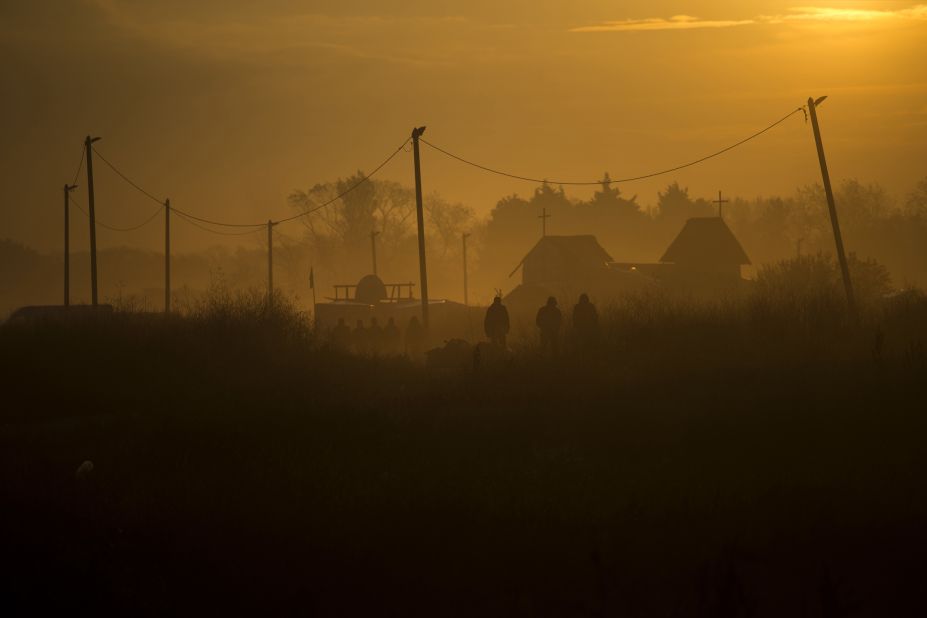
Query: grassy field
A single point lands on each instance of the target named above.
(751, 458)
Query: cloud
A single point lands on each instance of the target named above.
(823, 14)
(797, 15)
(677, 22)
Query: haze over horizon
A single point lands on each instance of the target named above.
(227, 107)
(480, 381)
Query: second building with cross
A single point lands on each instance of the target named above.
(705, 259)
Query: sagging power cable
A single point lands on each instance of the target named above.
(114, 228)
(616, 180)
(80, 165)
(349, 189)
(191, 218)
(187, 219)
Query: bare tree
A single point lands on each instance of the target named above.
(383, 206)
(446, 222)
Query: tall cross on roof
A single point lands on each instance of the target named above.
(543, 217)
(719, 202)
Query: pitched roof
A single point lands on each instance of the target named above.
(705, 240)
(583, 250)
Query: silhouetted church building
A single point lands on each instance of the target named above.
(566, 266)
(706, 247)
(705, 256)
(562, 258)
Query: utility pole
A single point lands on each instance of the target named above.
(88, 144)
(423, 274)
(67, 244)
(544, 217)
(167, 256)
(464, 237)
(270, 264)
(373, 249)
(838, 239)
(315, 303)
(719, 202)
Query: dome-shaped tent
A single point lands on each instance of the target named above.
(370, 290)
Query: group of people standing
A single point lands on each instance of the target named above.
(549, 322)
(374, 340)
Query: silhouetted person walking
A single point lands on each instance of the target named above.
(496, 323)
(415, 338)
(359, 338)
(548, 320)
(391, 337)
(585, 321)
(341, 336)
(375, 337)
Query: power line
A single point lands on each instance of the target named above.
(152, 217)
(286, 237)
(192, 217)
(158, 201)
(114, 228)
(194, 223)
(127, 179)
(349, 189)
(212, 222)
(80, 165)
(618, 180)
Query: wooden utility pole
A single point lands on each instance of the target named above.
(315, 303)
(543, 217)
(423, 274)
(464, 237)
(373, 249)
(88, 144)
(838, 239)
(270, 264)
(719, 202)
(167, 256)
(67, 243)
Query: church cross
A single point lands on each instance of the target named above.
(544, 217)
(719, 202)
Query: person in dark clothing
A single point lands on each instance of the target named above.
(341, 336)
(496, 323)
(415, 338)
(359, 338)
(585, 322)
(548, 320)
(375, 337)
(391, 337)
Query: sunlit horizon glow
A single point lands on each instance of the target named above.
(228, 106)
(800, 14)
(814, 13)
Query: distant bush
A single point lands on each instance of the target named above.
(224, 307)
(812, 285)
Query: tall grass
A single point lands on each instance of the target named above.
(726, 458)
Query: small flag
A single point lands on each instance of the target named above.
(311, 278)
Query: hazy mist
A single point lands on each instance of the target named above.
(228, 107)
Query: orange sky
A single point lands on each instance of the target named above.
(226, 107)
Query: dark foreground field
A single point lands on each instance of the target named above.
(724, 462)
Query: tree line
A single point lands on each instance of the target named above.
(336, 240)
(875, 225)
